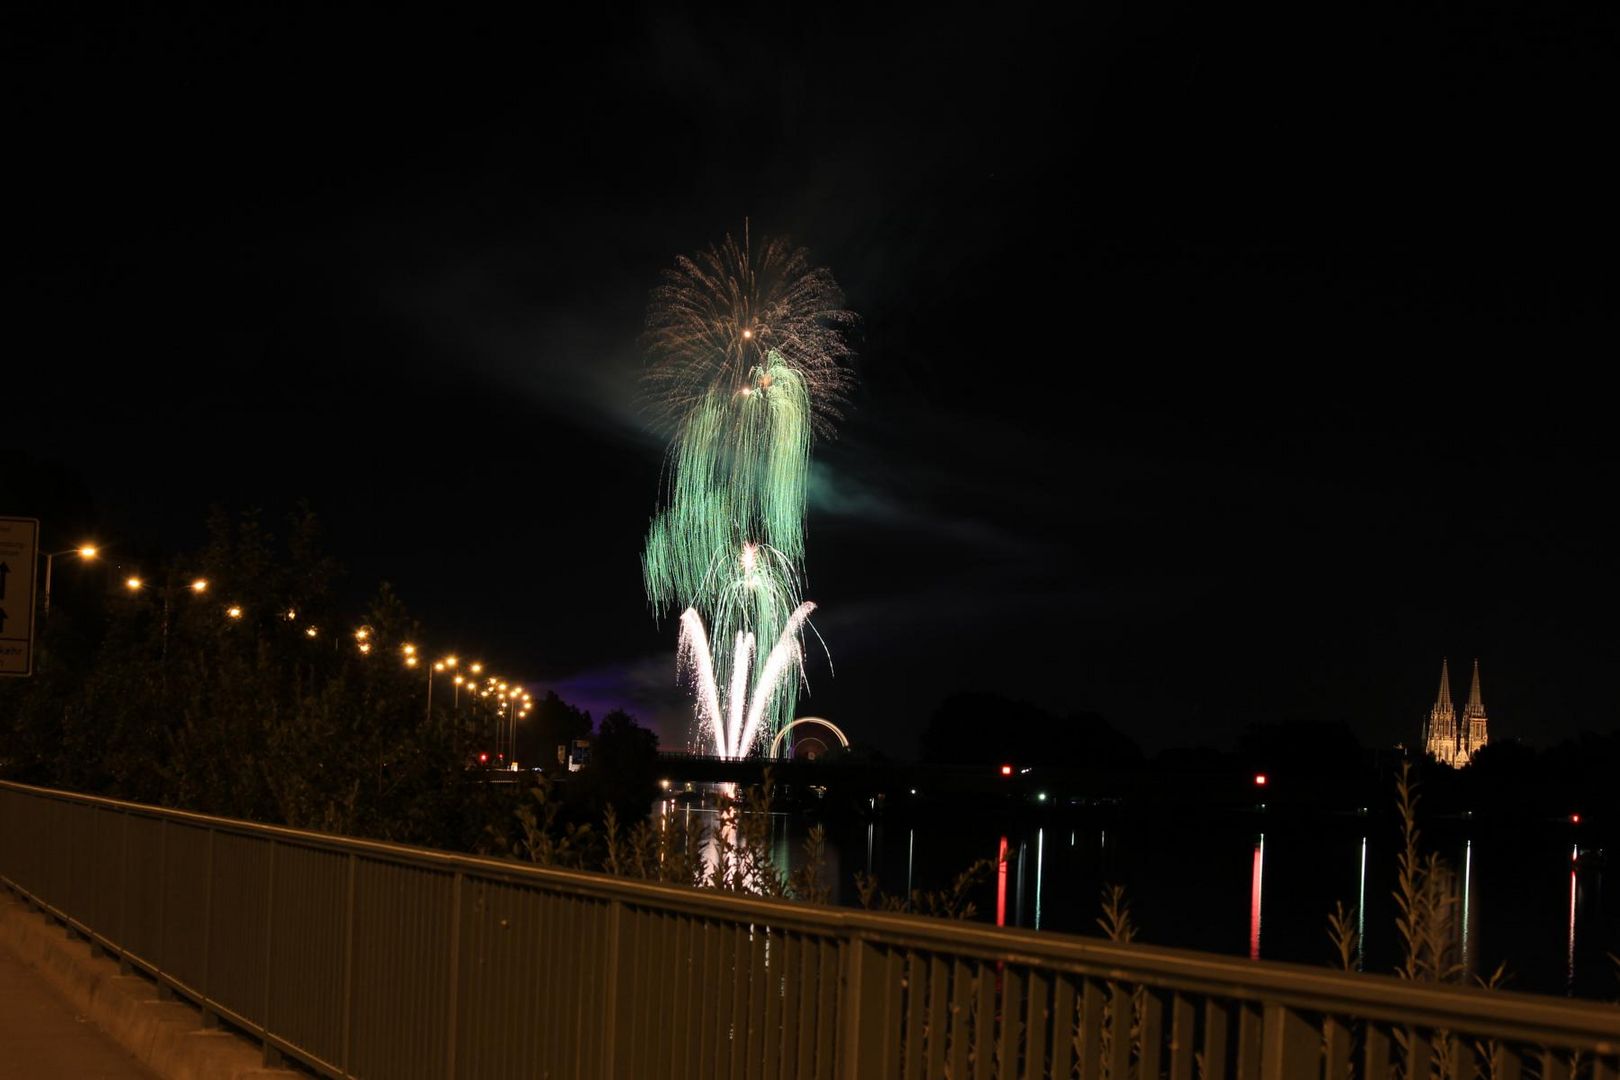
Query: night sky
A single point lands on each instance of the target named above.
(1215, 366)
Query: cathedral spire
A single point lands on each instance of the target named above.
(1471, 726)
(1440, 735)
(1443, 702)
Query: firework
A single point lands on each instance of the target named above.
(748, 359)
(739, 471)
(732, 317)
(737, 722)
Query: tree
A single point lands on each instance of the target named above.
(623, 770)
(249, 698)
(987, 728)
(554, 723)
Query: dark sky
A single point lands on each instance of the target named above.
(1215, 366)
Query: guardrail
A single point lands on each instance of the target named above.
(367, 959)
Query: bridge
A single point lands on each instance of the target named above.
(358, 958)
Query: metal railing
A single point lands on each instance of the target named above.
(368, 959)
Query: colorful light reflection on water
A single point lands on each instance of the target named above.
(1255, 891)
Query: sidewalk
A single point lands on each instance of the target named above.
(48, 982)
(41, 1038)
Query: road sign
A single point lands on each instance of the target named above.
(19, 552)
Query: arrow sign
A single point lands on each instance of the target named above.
(19, 551)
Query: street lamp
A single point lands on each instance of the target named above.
(167, 590)
(84, 551)
(440, 666)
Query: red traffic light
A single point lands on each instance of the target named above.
(483, 757)
(1006, 770)
(1260, 779)
(1574, 819)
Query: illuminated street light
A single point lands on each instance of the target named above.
(292, 615)
(83, 551)
(365, 647)
(234, 611)
(310, 631)
(362, 633)
(476, 669)
(410, 650)
(200, 585)
(133, 584)
(410, 661)
(441, 665)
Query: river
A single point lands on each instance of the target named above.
(1256, 884)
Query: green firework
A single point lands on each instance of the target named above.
(748, 357)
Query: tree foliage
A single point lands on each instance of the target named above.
(162, 695)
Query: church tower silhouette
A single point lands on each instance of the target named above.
(1451, 739)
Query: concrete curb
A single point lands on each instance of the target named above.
(167, 1037)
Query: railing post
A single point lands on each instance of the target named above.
(348, 968)
(1290, 1048)
(612, 988)
(272, 1056)
(864, 1012)
(454, 975)
(124, 967)
(162, 958)
(209, 1018)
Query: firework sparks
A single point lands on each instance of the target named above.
(748, 364)
(736, 722)
(725, 318)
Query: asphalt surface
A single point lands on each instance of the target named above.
(42, 1038)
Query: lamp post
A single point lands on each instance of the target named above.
(136, 584)
(84, 551)
(448, 663)
(510, 732)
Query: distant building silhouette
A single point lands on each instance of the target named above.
(1449, 739)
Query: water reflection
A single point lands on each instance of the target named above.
(1001, 883)
(1018, 892)
(1504, 913)
(1361, 911)
(1254, 896)
(1467, 895)
(1574, 861)
(1040, 859)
